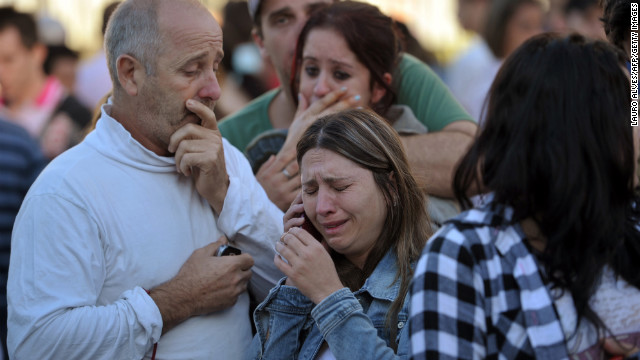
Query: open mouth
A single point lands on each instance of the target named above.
(333, 227)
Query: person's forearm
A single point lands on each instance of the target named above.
(433, 158)
(125, 329)
(56, 290)
(253, 223)
(173, 305)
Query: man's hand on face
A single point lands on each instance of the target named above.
(205, 283)
(199, 153)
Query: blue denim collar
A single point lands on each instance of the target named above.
(380, 285)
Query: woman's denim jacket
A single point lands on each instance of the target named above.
(353, 324)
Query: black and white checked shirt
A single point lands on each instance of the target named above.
(478, 293)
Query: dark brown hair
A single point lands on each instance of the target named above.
(498, 16)
(24, 23)
(557, 147)
(616, 15)
(370, 35)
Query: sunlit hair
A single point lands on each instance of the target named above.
(133, 30)
(370, 35)
(257, 20)
(106, 14)
(24, 23)
(616, 18)
(499, 14)
(557, 147)
(366, 139)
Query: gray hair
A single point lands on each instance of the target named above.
(133, 30)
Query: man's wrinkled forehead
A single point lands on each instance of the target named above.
(257, 6)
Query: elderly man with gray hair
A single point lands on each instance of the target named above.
(114, 247)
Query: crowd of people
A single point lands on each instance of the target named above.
(344, 201)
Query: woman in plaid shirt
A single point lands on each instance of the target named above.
(548, 268)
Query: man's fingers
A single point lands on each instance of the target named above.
(211, 248)
(222, 240)
(245, 261)
(190, 163)
(205, 113)
(190, 132)
(189, 154)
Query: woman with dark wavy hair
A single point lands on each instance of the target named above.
(353, 48)
(549, 267)
(354, 45)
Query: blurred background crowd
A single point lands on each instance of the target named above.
(63, 69)
(464, 41)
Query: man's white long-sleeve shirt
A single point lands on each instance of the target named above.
(109, 218)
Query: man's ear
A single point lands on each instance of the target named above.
(257, 38)
(378, 90)
(39, 52)
(131, 74)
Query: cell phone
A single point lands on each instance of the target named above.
(307, 225)
(227, 250)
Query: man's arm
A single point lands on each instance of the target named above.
(223, 176)
(204, 284)
(252, 222)
(56, 276)
(434, 156)
(58, 272)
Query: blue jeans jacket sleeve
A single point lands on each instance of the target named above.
(350, 332)
(290, 326)
(280, 321)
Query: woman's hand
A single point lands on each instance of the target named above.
(294, 215)
(306, 114)
(309, 266)
(279, 176)
(280, 179)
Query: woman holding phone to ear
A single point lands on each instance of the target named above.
(345, 294)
